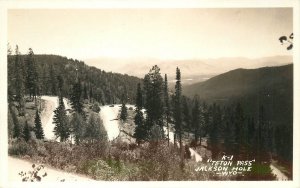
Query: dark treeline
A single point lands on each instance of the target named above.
(231, 130)
(265, 98)
(43, 75)
(228, 128)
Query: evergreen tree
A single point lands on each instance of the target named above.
(10, 123)
(60, 85)
(229, 134)
(250, 136)
(96, 107)
(239, 127)
(78, 125)
(205, 113)
(167, 106)
(16, 125)
(75, 98)
(261, 137)
(201, 129)
(93, 132)
(53, 81)
(19, 84)
(178, 114)
(60, 119)
(17, 131)
(91, 94)
(26, 132)
(214, 129)
(38, 129)
(32, 75)
(186, 116)
(123, 115)
(85, 93)
(196, 119)
(261, 169)
(140, 132)
(153, 87)
(139, 98)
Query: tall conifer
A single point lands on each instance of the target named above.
(38, 129)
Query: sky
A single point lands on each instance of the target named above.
(151, 33)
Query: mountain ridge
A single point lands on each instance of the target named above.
(190, 68)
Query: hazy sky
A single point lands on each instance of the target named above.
(151, 33)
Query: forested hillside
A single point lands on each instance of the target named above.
(271, 87)
(96, 84)
(244, 113)
(261, 97)
(241, 82)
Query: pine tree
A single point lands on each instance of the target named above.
(85, 93)
(206, 118)
(10, 123)
(196, 119)
(53, 81)
(140, 132)
(32, 75)
(261, 169)
(60, 85)
(123, 115)
(153, 87)
(178, 114)
(186, 116)
(75, 98)
(229, 134)
(17, 131)
(93, 132)
(78, 124)
(239, 127)
(201, 123)
(19, 84)
(60, 119)
(26, 132)
(16, 125)
(167, 106)
(261, 137)
(38, 129)
(214, 129)
(139, 98)
(91, 94)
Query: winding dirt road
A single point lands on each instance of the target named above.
(109, 116)
(15, 166)
(51, 103)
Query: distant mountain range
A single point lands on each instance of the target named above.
(193, 71)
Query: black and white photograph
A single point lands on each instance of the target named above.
(150, 94)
